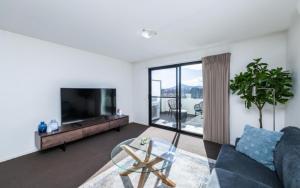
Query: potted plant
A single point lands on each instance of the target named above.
(258, 75)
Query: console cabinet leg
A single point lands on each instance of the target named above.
(63, 147)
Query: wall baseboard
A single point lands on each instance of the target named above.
(139, 123)
(32, 150)
(13, 156)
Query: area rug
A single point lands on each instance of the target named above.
(189, 170)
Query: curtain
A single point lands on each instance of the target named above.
(216, 98)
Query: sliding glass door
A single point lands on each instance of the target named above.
(176, 97)
(164, 97)
(191, 98)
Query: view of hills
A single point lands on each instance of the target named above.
(195, 92)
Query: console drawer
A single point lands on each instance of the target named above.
(73, 135)
(118, 123)
(59, 139)
(52, 141)
(123, 121)
(88, 131)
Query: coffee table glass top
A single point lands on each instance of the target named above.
(143, 155)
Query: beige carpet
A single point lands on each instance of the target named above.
(188, 143)
(188, 170)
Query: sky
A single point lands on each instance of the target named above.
(191, 75)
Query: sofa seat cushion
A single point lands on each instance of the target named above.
(236, 162)
(221, 178)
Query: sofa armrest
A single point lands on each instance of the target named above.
(236, 141)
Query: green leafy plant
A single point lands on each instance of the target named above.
(258, 75)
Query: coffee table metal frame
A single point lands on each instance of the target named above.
(146, 164)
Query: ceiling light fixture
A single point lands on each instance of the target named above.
(147, 34)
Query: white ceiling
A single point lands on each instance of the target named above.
(111, 27)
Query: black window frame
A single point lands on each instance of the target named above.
(178, 97)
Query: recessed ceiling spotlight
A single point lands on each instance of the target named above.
(147, 34)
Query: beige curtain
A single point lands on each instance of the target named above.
(216, 98)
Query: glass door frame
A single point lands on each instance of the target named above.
(178, 97)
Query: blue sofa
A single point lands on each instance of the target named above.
(234, 169)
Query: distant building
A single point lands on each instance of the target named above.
(196, 92)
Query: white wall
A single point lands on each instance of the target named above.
(273, 50)
(293, 64)
(31, 75)
(32, 72)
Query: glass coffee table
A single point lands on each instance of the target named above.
(144, 155)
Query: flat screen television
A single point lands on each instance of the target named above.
(82, 104)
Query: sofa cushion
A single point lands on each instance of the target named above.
(232, 160)
(288, 141)
(221, 178)
(291, 168)
(259, 144)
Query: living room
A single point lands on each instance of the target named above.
(149, 94)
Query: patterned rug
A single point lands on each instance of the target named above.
(189, 170)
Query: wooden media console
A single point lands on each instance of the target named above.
(75, 131)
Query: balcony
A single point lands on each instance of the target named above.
(191, 120)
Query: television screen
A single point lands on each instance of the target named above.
(81, 104)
